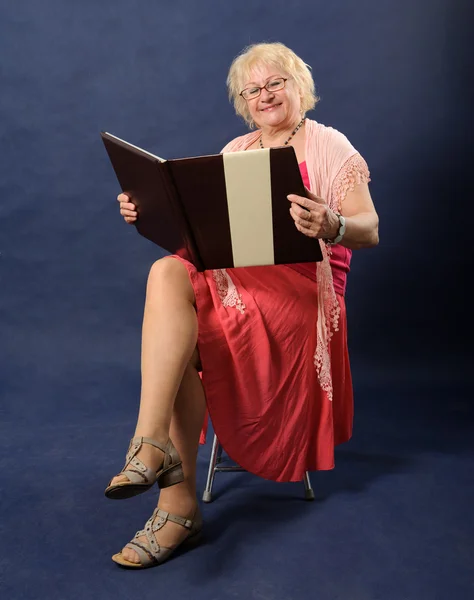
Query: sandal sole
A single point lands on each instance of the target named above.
(127, 490)
(188, 544)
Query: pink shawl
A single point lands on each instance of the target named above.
(334, 168)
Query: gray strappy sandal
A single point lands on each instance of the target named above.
(150, 552)
(140, 477)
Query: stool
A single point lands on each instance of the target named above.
(216, 459)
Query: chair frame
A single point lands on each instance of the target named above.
(216, 459)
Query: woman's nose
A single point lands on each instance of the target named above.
(266, 95)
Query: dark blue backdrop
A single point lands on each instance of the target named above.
(390, 75)
(393, 75)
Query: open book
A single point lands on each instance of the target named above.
(218, 211)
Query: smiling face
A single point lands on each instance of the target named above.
(273, 110)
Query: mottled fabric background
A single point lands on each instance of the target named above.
(394, 76)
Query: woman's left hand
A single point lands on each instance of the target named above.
(319, 221)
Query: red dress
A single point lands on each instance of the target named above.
(262, 390)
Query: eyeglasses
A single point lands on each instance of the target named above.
(274, 85)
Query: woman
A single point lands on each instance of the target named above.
(270, 341)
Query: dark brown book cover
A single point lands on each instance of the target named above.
(145, 179)
(217, 211)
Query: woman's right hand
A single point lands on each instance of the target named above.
(128, 210)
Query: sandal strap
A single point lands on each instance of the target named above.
(144, 555)
(140, 473)
(139, 440)
(136, 476)
(149, 530)
(166, 516)
(137, 472)
(151, 551)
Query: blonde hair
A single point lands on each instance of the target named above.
(270, 54)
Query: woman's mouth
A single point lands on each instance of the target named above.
(270, 108)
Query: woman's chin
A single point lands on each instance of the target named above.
(271, 120)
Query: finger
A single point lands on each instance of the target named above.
(302, 222)
(130, 219)
(123, 197)
(300, 212)
(128, 206)
(298, 217)
(297, 199)
(128, 213)
(305, 230)
(306, 203)
(315, 216)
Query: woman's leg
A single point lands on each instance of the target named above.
(169, 338)
(186, 425)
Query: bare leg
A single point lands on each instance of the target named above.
(186, 424)
(169, 338)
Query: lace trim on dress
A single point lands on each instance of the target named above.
(353, 172)
(328, 320)
(227, 290)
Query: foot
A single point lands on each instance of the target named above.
(171, 534)
(152, 457)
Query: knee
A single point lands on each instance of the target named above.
(165, 267)
(170, 273)
(167, 270)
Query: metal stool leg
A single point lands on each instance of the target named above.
(308, 490)
(215, 458)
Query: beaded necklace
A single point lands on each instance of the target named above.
(292, 134)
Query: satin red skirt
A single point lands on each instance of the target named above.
(262, 390)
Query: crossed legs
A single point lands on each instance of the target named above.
(172, 401)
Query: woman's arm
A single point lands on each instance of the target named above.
(362, 221)
(319, 221)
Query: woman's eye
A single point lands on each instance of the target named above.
(275, 83)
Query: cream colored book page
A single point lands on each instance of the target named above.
(249, 201)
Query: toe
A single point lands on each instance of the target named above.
(119, 479)
(130, 555)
